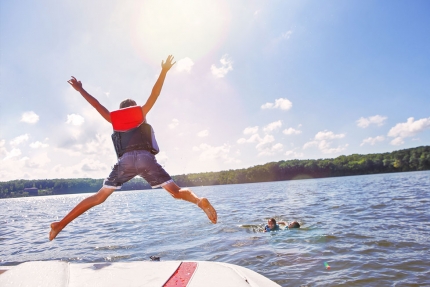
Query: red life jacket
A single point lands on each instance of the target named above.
(131, 132)
(127, 118)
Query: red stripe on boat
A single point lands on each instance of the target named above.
(182, 275)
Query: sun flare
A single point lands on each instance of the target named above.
(182, 28)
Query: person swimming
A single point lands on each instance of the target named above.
(273, 226)
(294, 224)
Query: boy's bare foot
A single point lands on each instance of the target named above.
(55, 229)
(208, 209)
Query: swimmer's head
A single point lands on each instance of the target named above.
(271, 223)
(127, 103)
(294, 224)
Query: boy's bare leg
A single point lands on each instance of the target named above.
(83, 206)
(188, 195)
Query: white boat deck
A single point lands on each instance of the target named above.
(137, 273)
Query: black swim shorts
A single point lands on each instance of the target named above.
(137, 162)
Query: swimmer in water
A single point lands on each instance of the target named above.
(294, 224)
(137, 160)
(273, 226)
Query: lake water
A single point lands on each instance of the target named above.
(372, 230)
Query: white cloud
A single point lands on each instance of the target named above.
(365, 122)
(263, 144)
(252, 139)
(293, 154)
(162, 157)
(281, 103)
(267, 151)
(209, 152)
(37, 161)
(250, 130)
(90, 165)
(38, 144)
(184, 64)
(310, 144)
(29, 163)
(286, 35)
(291, 131)
(76, 133)
(397, 141)
(272, 126)
(94, 167)
(3, 150)
(19, 139)
(410, 128)
(267, 106)
(29, 117)
(100, 145)
(277, 147)
(174, 124)
(328, 135)
(226, 66)
(75, 119)
(372, 141)
(325, 147)
(267, 139)
(283, 37)
(13, 153)
(321, 141)
(203, 133)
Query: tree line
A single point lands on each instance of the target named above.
(412, 159)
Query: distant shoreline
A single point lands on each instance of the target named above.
(413, 159)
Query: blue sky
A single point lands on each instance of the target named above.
(255, 81)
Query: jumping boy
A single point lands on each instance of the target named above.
(135, 161)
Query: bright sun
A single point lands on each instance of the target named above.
(184, 28)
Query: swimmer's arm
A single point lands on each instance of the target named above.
(77, 85)
(165, 67)
(282, 223)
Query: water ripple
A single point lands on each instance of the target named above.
(372, 230)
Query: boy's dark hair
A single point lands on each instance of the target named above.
(127, 103)
(273, 220)
(295, 224)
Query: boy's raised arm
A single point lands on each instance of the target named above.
(165, 67)
(77, 85)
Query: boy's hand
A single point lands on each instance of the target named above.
(77, 85)
(166, 66)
